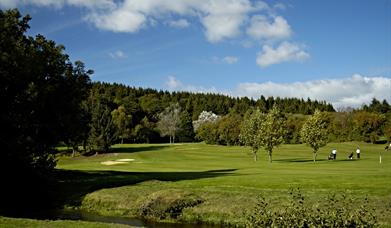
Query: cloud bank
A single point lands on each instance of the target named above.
(353, 91)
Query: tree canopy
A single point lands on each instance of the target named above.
(272, 130)
(42, 95)
(314, 132)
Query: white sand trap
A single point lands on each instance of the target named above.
(125, 160)
(113, 162)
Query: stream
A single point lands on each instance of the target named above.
(86, 216)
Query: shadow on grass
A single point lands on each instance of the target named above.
(301, 160)
(298, 160)
(135, 149)
(123, 149)
(72, 186)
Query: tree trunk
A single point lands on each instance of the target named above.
(173, 139)
(270, 157)
(314, 155)
(255, 155)
(122, 140)
(73, 152)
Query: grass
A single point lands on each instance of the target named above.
(225, 178)
(31, 223)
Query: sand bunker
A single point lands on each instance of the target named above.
(118, 161)
(125, 160)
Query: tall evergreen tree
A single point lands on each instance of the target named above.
(103, 130)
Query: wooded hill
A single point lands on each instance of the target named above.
(141, 107)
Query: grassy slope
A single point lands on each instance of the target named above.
(228, 179)
(19, 222)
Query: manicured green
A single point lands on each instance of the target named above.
(226, 178)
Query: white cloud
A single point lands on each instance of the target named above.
(279, 6)
(262, 28)
(181, 23)
(284, 52)
(353, 91)
(220, 19)
(230, 59)
(119, 20)
(103, 4)
(174, 84)
(118, 55)
(226, 59)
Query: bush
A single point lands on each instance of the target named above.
(334, 211)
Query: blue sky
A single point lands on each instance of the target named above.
(338, 51)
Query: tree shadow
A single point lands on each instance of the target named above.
(29, 198)
(298, 160)
(73, 185)
(135, 149)
(123, 149)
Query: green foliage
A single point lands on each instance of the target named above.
(314, 132)
(249, 131)
(103, 130)
(229, 129)
(271, 131)
(334, 211)
(140, 103)
(368, 126)
(145, 131)
(186, 130)
(122, 121)
(377, 106)
(387, 130)
(42, 92)
(41, 95)
(293, 126)
(208, 132)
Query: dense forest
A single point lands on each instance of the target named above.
(140, 110)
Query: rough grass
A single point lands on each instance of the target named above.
(31, 223)
(227, 179)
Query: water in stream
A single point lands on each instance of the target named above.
(85, 216)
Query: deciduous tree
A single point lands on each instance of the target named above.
(272, 130)
(169, 121)
(314, 132)
(249, 131)
(122, 120)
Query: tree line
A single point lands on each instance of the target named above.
(141, 110)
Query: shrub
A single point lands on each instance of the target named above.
(334, 211)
